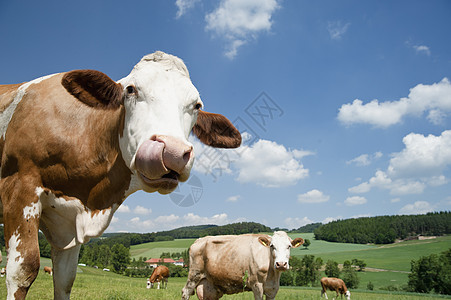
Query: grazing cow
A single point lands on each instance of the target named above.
(334, 284)
(232, 264)
(159, 274)
(48, 270)
(2, 272)
(74, 145)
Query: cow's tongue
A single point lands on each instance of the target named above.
(149, 160)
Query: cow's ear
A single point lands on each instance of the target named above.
(93, 88)
(216, 130)
(264, 241)
(297, 242)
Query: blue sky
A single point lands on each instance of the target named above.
(344, 105)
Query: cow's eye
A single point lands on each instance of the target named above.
(131, 89)
(198, 106)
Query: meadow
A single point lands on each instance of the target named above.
(97, 284)
(388, 265)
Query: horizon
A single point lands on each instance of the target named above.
(344, 107)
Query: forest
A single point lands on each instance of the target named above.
(384, 229)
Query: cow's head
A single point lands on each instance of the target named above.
(280, 244)
(348, 295)
(162, 107)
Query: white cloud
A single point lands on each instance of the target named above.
(419, 165)
(419, 207)
(184, 5)
(355, 200)
(364, 159)
(313, 196)
(142, 210)
(265, 163)
(423, 156)
(293, 223)
(167, 219)
(270, 164)
(337, 29)
(422, 49)
(239, 21)
(233, 198)
(395, 200)
(435, 99)
(123, 209)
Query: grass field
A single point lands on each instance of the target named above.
(96, 284)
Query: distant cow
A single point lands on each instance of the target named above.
(159, 274)
(334, 284)
(48, 270)
(2, 272)
(74, 145)
(232, 264)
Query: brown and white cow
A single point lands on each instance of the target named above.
(74, 145)
(48, 270)
(159, 275)
(232, 264)
(334, 284)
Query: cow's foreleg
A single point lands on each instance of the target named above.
(21, 213)
(65, 269)
(257, 289)
(194, 278)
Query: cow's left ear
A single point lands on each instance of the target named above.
(297, 242)
(264, 241)
(216, 130)
(93, 88)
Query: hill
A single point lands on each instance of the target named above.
(384, 229)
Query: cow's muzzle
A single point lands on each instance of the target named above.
(281, 266)
(161, 162)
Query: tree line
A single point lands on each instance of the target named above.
(384, 229)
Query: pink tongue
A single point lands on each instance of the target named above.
(149, 159)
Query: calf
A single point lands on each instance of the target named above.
(48, 270)
(334, 284)
(159, 274)
(75, 145)
(232, 264)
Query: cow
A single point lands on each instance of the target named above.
(75, 145)
(159, 274)
(232, 264)
(334, 284)
(48, 270)
(2, 272)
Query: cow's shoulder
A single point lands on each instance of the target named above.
(7, 94)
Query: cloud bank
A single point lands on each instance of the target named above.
(434, 99)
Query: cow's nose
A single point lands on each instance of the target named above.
(176, 153)
(281, 265)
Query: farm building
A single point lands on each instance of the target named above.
(154, 262)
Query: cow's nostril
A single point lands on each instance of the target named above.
(187, 155)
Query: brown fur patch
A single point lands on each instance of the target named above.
(216, 130)
(74, 147)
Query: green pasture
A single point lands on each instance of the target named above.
(154, 250)
(96, 284)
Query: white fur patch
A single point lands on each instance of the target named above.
(13, 264)
(7, 114)
(69, 222)
(32, 211)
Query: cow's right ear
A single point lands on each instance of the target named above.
(93, 88)
(264, 241)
